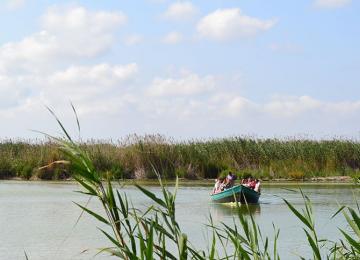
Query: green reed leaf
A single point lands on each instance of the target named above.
(92, 213)
(313, 245)
(298, 214)
(151, 195)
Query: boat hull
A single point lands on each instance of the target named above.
(238, 193)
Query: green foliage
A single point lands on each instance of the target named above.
(26, 172)
(343, 249)
(137, 156)
(223, 173)
(149, 234)
(356, 176)
(7, 169)
(306, 217)
(117, 172)
(181, 172)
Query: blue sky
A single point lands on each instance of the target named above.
(185, 69)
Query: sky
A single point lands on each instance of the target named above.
(183, 69)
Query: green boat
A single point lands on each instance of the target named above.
(238, 193)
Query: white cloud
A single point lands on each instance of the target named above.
(29, 54)
(232, 105)
(97, 76)
(90, 87)
(188, 84)
(14, 4)
(283, 106)
(67, 33)
(77, 18)
(218, 113)
(180, 11)
(32, 74)
(225, 24)
(331, 3)
(295, 106)
(133, 39)
(35, 70)
(102, 94)
(344, 107)
(173, 38)
(82, 32)
(95, 90)
(12, 91)
(186, 98)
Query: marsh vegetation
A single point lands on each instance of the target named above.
(155, 232)
(136, 156)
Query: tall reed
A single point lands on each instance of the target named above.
(156, 234)
(136, 156)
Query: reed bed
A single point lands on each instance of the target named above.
(136, 156)
(154, 233)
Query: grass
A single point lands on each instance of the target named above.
(136, 156)
(156, 234)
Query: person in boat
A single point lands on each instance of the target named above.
(218, 185)
(257, 185)
(247, 181)
(230, 180)
(252, 183)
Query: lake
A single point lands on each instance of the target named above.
(40, 217)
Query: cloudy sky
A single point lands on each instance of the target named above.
(185, 69)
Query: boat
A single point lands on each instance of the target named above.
(238, 193)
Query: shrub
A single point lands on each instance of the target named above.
(7, 170)
(296, 174)
(26, 172)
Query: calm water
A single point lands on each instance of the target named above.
(40, 218)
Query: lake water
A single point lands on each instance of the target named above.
(40, 217)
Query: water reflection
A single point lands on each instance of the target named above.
(50, 217)
(221, 211)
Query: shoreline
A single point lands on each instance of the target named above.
(266, 159)
(333, 180)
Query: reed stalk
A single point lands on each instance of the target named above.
(155, 232)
